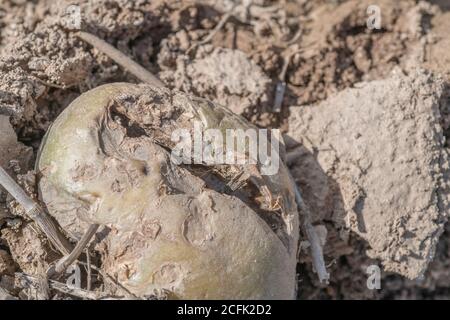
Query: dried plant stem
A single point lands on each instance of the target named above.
(28, 280)
(88, 270)
(313, 238)
(67, 260)
(36, 213)
(106, 277)
(281, 85)
(16, 191)
(217, 28)
(120, 58)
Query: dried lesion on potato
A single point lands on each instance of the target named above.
(132, 118)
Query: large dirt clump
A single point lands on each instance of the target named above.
(372, 159)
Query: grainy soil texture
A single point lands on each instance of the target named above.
(364, 115)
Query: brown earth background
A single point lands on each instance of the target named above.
(325, 46)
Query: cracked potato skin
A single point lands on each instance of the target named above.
(167, 230)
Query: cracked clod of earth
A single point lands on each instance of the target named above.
(372, 159)
(176, 228)
(225, 76)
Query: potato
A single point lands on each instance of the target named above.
(178, 228)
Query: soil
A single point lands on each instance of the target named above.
(354, 98)
(401, 214)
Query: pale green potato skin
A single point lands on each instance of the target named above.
(195, 244)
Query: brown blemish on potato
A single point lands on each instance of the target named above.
(197, 228)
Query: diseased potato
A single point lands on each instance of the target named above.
(178, 228)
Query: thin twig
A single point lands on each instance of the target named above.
(120, 58)
(296, 36)
(16, 191)
(116, 283)
(77, 292)
(67, 260)
(279, 96)
(281, 85)
(88, 270)
(59, 286)
(316, 247)
(53, 85)
(36, 213)
(216, 29)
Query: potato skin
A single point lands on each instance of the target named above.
(193, 241)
